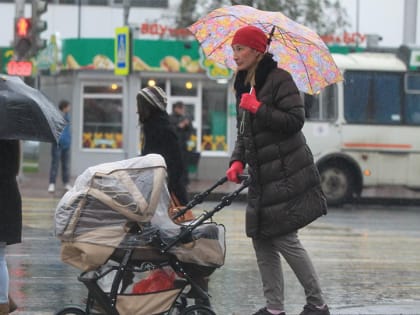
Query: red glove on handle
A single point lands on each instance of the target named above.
(249, 102)
(235, 169)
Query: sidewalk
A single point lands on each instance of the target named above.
(34, 185)
(412, 308)
(38, 271)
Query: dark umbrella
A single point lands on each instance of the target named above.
(26, 113)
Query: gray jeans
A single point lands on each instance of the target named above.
(269, 264)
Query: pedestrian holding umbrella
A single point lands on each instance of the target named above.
(26, 113)
(274, 58)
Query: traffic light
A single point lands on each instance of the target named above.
(39, 7)
(23, 43)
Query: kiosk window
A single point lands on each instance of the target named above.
(181, 87)
(102, 117)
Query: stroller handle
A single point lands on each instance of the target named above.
(187, 229)
(199, 198)
(244, 178)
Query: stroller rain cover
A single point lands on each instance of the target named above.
(94, 217)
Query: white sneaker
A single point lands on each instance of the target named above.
(51, 188)
(67, 186)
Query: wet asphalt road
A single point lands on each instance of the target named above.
(367, 257)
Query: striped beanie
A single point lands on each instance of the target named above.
(155, 96)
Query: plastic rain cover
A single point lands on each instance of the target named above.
(107, 199)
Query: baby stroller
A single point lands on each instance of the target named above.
(115, 227)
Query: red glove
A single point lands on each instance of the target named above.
(236, 168)
(249, 102)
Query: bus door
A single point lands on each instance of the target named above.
(321, 129)
(412, 119)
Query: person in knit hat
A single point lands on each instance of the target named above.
(158, 136)
(285, 192)
(153, 98)
(252, 37)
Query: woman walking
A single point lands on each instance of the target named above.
(285, 193)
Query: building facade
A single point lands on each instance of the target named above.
(78, 65)
(104, 113)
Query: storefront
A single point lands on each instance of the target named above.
(104, 113)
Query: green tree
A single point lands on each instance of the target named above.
(323, 16)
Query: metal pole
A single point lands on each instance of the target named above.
(357, 22)
(20, 8)
(79, 17)
(126, 11)
(410, 22)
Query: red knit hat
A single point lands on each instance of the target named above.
(252, 37)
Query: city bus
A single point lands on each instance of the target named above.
(365, 131)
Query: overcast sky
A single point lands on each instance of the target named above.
(382, 17)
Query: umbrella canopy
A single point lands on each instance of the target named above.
(296, 48)
(26, 113)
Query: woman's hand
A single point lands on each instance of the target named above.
(236, 168)
(249, 102)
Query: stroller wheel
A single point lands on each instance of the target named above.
(198, 310)
(72, 310)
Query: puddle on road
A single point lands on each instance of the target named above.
(356, 266)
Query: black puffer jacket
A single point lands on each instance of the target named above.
(10, 199)
(285, 192)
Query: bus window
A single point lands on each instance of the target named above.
(372, 97)
(412, 101)
(311, 106)
(413, 83)
(323, 106)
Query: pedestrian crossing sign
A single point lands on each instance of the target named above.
(122, 52)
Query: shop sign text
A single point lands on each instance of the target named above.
(345, 38)
(163, 30)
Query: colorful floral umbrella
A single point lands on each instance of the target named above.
(295, 47)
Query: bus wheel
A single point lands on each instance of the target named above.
(337, 183)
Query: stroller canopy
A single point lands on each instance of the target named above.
(95, 216)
